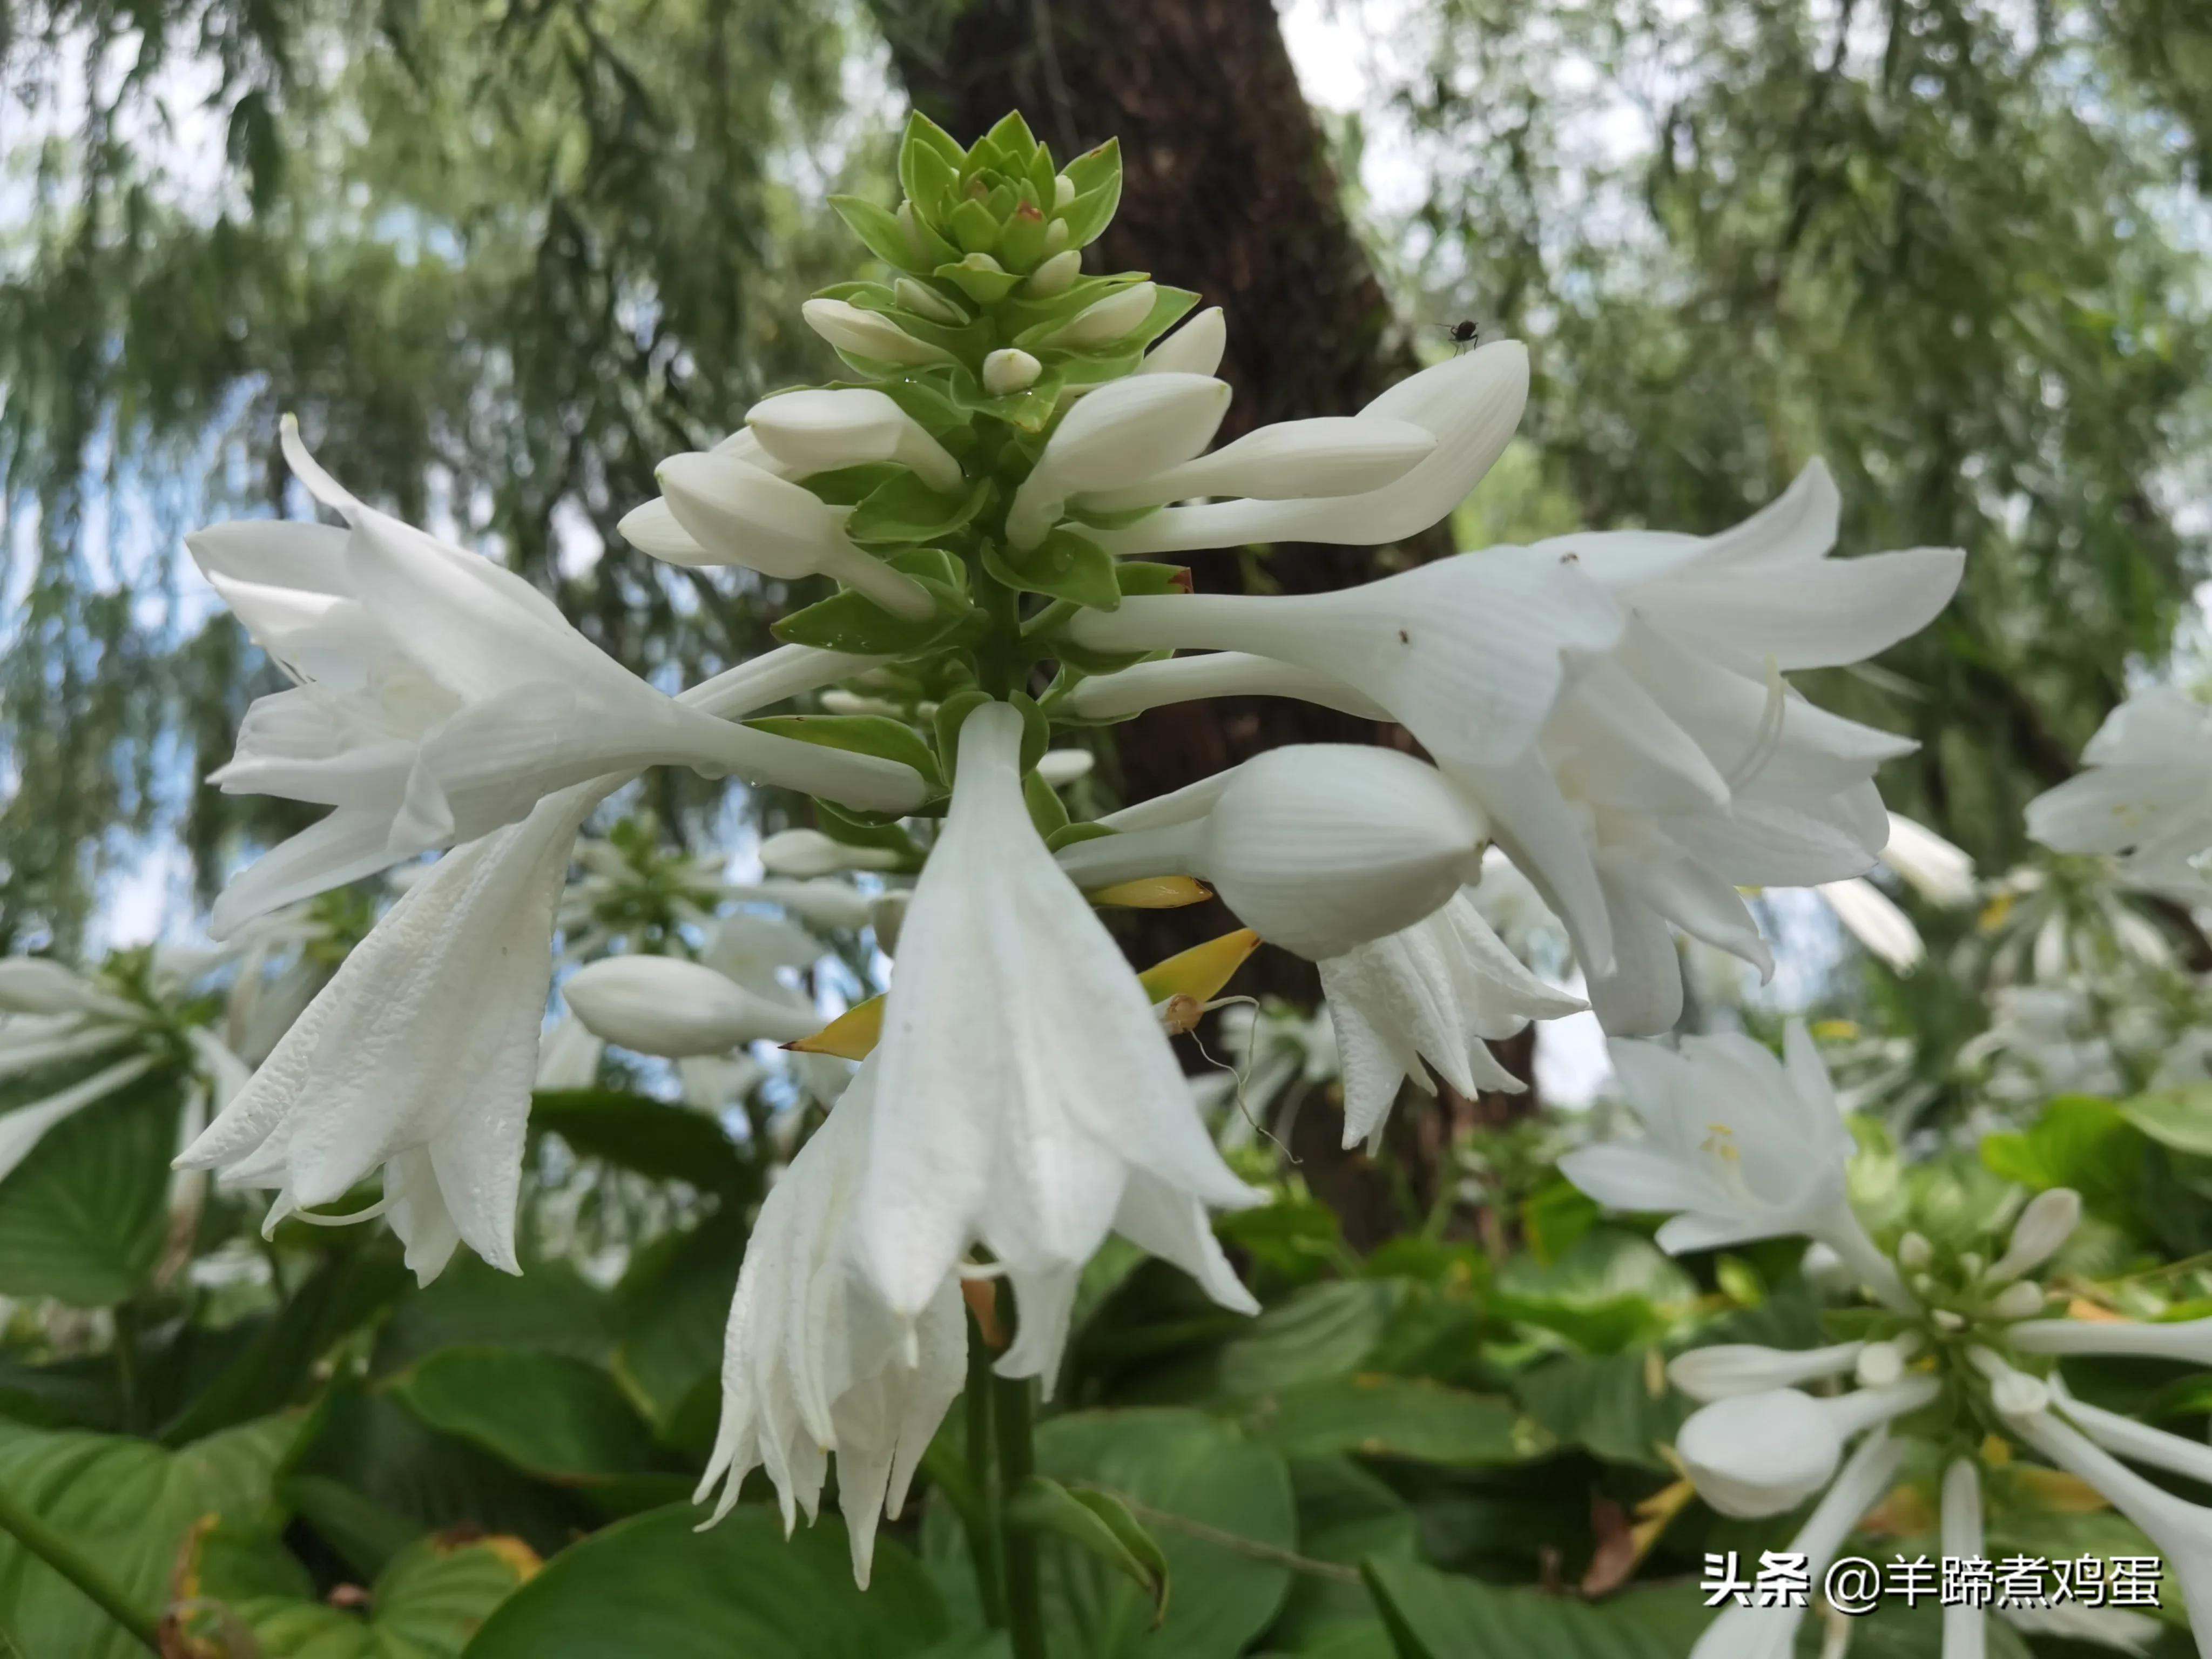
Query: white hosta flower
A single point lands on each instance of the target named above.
(1212, 674)
(1028, 1098)
(734, 514)
(1432, 993)
(665, 1006)
(2181, 1531)
(802, 854)
(1750, 1632)
(868, 334)
(437, 696)
(1931, 866)
(1291, 460)
(52, 1017)
(1469, 406)
(814, 1364)
(1966, 1628)
(1739, 1145)
(1872, 918)
(819, 431)
(1318, 848)
(1194, 348)
(1764, 1454)
(418, 1057)
(1127, 430)
(2188, 1339)
(2145, 793)
(1729, 1368)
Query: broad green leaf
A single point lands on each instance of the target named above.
(860, 734)
(2079, 1142)
(1063, 566)
(279, 1364)
(1097, 176)
(1322, 1332)
(130, 1506)
(673, 1305)
(560, 1418)
(1192, 1481)
(1436, 1615)
(1398, 1417)
(632, 1131)
(2178, 1118)
(1097, 1523)
(1619, 1407)
(1612, 1289)
(902, 510)
(551, 1309)
(1346, 1516)
(83, 1218)
(652, 1585)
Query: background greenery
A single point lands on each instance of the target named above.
(501, 258)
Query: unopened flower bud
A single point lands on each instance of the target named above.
(1063, 766)
(1009, 370)
(2022, 1299)
(1914, 1252)
(819, 431)
(1290, 460)
(1194, 348)
(2045, 1226)
(664, 1006)
(913, 237)
(1063, 191)
(1880, 1363)
(1105, 321)
(1128, 429)
(803, 853)
(869, 334)
(925, 302)
(1056, 276)
(2014, 1394)
(1056, 236)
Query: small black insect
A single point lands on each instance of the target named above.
(1465, 332)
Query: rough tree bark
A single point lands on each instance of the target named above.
(1227, 190)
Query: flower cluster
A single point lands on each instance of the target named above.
(1954, 1365)
(981, 505)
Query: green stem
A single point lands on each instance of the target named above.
(126, 1362)
(988, 1526)
(1017, 1462)
(41, 1540)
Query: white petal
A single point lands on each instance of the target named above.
(1873, 919)
(1194, 348)
(344, 847)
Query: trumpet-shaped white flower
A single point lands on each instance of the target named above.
(1739, 1145)
(1469, 406)
(1764, 1454)
(1431, 992)
(419, 1055)
(814, 1364)
(2145, 793)
(730, 513)
(665, 1006)
(1028, 1098)
(1318, 848)
(1753, 1632)
(437, 696)
(1729, 1368)
(1871, 916)
(803, 854)
(1966, 1627)
(1127, 430)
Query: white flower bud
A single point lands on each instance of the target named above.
(1914, 1252)
(1318, 848)
(1879, 1364)
(1760, 1453)
(1727, 1369)
(1056, 276)
(2043, 1226)
(1194, 348)
(886, 912)
(1291, 460)
(819, 431)
(2022, 1299)
(738, 514)
(803, 853)
(869, 334)
(1009, 370)
(925, 302)
(1104, 322)
(1056, 236)
(914, 238)
(1127, 430)
(1063, 766)
(1063, 191)
(2014, 1394)
(664, 1006)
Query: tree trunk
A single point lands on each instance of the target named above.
(1227, 189)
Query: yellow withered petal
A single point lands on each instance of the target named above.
(851, 1036)
(1153, 893)
(1201, 971)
